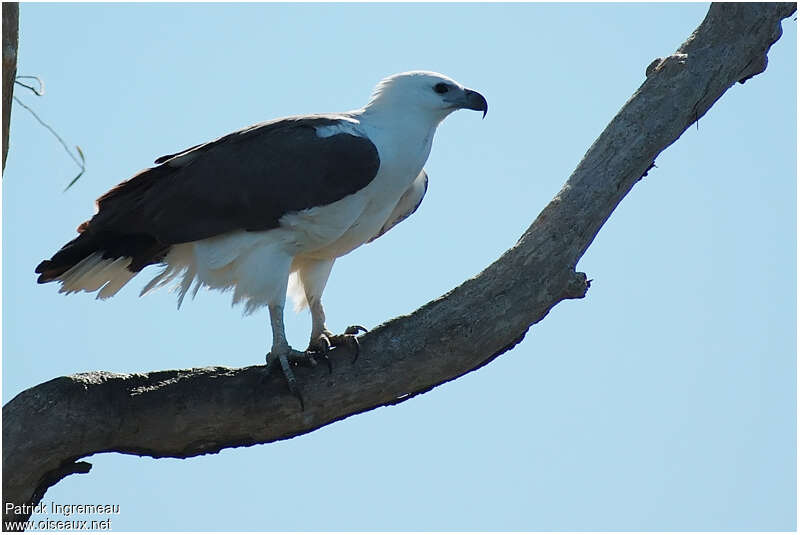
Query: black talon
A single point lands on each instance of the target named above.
(348, 338)
(321, 352)
(291, 381)
(353, 331)
(295, 390)
(325, 342)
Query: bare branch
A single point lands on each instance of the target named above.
(80, 160)
(10, 42)
(182, 413)
(39, 92)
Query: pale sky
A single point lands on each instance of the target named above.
(664, 400)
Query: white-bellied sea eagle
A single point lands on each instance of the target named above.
(269, 209)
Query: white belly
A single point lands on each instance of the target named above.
(335, 230)
(360, 230)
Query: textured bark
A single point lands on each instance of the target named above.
(10, 39)
(182, 413)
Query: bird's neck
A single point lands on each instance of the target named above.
(402, 139)
(401, 123)
(387, 109)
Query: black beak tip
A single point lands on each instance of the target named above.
(479, 103)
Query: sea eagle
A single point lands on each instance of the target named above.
(268, 209)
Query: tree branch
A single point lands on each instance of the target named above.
(182, 413)
(10, 40)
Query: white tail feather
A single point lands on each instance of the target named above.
(121, 278)
(95, 273)
(253, 264)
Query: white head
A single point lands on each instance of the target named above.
(428, 93)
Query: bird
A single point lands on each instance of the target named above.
(265, 211)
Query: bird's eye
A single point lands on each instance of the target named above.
(441, 88)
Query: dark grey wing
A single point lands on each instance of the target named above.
(246, 180)
(163, 159)
(191, 153)
(407, 204)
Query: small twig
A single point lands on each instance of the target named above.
(80, 162)
(38, 92)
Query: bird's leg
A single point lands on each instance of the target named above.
(320, 343)
(282, 353)
(314, 274)
(319, 332)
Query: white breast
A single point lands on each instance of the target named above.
(335, 230)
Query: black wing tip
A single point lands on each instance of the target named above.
(47, 274)
(42, 267)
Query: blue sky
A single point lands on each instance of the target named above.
(664, 400)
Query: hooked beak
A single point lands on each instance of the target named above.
(467, 99)
(475, 101)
